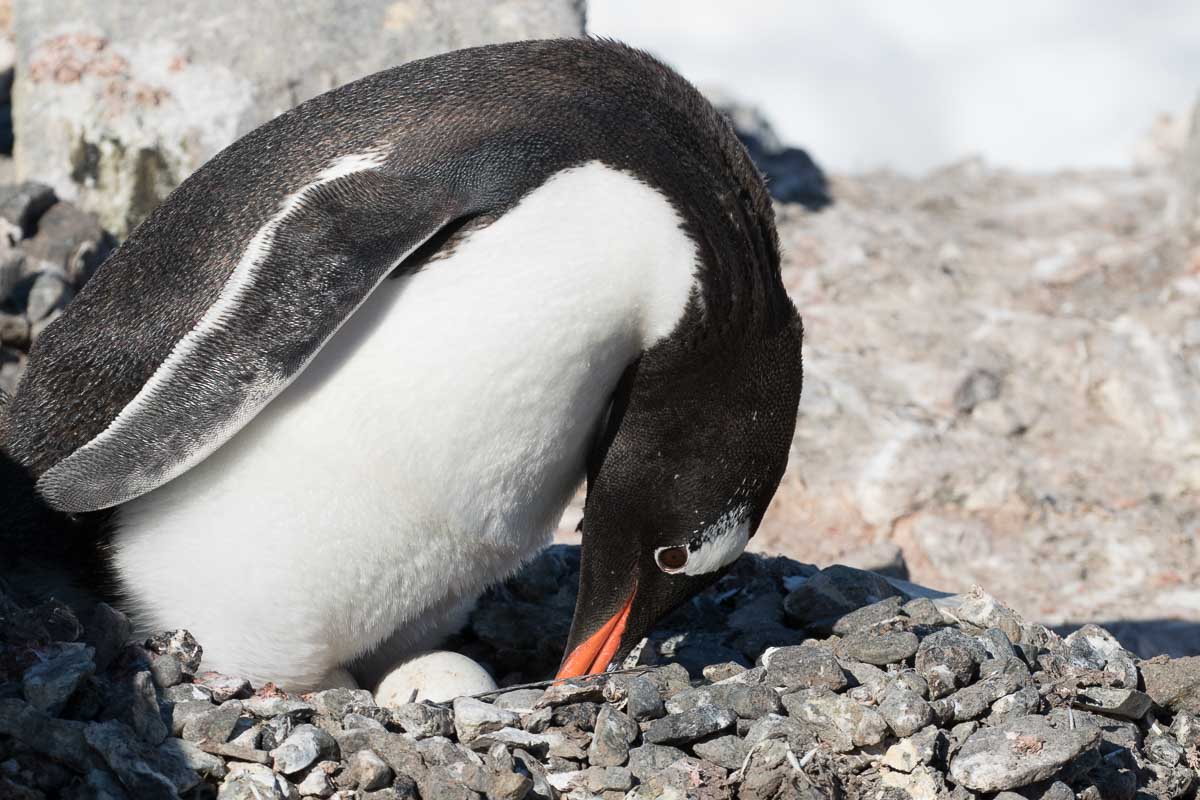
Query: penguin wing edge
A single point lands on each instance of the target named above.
(302, 275)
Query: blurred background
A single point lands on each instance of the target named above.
(988, 216)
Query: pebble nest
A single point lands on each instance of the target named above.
(781, 681)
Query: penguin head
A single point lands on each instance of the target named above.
(687, 460)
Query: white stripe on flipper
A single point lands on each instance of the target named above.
(61, 485)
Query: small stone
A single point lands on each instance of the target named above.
(305, 745)
(354, 721)
(798, 735)
(24, 203)
(948, 660)
(719, 672)
(1019, 752)
(317, 783)
(822, 601)
(509, 786)
(143, 712)
(107, 632)
(1020, 703)
(804, 667)
(180, 644)
(59, 739)
(235, 752)
(268, 706)
(247, 733)
(608, 779)
(145, 771)
(880, 649)
(367, 771)
(980, 608)
(724, 751)
(186, 692)
(1186, 729)
(49, 684)
(578, 715)
(179, 714)
(921, 784)
(208, 765)
(649, 759)
(473, 718)
(973, 701)
(224, 687)
(522, 701)
(166, 670)
(1126, 703)
(670, 679)
(838, 720)
(614, 733)
(1091, 648)
(1164, 749)
(642, 699)
(912, 680)
(559, 694)
(423, 720)
(920, 749)
(904, 710)
(748, 702)
(550, 743)
(48, 293)
(1173, 683)
(689, 726)
(213, 725)
(254, 782)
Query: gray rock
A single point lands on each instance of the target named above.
(180, 644)
(306, 745)
(267, 706)
(166, 671)
(838, 720)
(716, 673)
(49, 684)
(879, 648)
(143, 713)
(1173, 683)
(799, 736)
(354, 721)
(318, 783)
(1020, 703)
(1092, 648)
(578, 715)
(338, 702)
(24, 203)
(920, 749)
(14, 329)
(948, 659)
(208, 765)
(975, 700)
(574, 691)
(689, 726)
(519, 700)
(642, 699)
(748, 702)
(254, 782)
(367, 771)
(179, 714)
(473, 718)
(60, 739)
(422, 720)
(905, 711)
(1126, 703)
(552, 743)
(608, 779)
(804, 667)
(923, 611)
(724, 751)
(215, 725)
(48, 293)
(670, 679)
(146, 771)
(822, 601)
(224, 687)
(69, 242)
(1019, 752)
(122, 109)
(186, 692)
(1186, 729)
(981, 609)
(1164, 749)
(649, 759)
(614, 733)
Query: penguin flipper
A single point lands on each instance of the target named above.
(301, 276)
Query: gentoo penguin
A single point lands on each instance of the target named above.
(350, 372)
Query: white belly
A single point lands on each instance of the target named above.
(426, 451)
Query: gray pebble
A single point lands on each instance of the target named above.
(838, 720)
(423, 720)
(578, 715)
(1020, 703)
(719, 672)
(208, 765)
(224, 687)
(23, 204)
(923, 611)
(267, 706)
(60, 739)
(904, 710)
(254, 782)
(642, 699)
(521, 701)
(473, 718)
(748, 702)
(214, 725)
(143, 712)
(614, 733)
(166, 670)
(49, 684)
(608, 779)
(317, 782)
(180, 713)
(724, 751)
(180, 644)
(689, 726)
(649, 759)
(822, 601)
(305, 745)
(354, 721)
(1164, 749)
(145, 771)
(805, 667)
(879, 648)
(186, 692)
(338, 702)
(48, 293)
(921, 749)
(948, 659)
(1019, 752)
(367, 771)
(1125, 703)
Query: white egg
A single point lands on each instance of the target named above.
(437, 675)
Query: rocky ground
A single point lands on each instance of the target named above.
(781, 681)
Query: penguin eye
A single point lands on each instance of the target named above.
(671, 559)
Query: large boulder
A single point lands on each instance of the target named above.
(116, 103)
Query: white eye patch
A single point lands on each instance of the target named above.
(712, 547)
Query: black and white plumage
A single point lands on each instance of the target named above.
(368, 351)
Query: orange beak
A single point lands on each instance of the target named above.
(594, 654)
